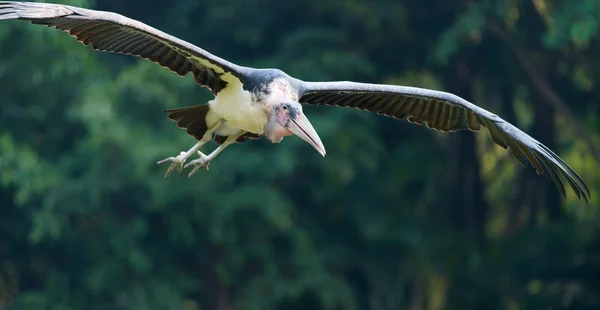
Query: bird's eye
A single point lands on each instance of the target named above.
(285, 107)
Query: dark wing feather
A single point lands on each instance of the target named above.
(446, 112)
(111, 32)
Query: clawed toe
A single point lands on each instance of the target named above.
(177, 162)
(201, 162)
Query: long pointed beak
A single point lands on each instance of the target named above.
(301, 127)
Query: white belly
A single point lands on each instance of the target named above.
(234, 105)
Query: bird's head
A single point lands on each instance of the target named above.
(286, 119)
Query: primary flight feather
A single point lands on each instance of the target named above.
(252, 103)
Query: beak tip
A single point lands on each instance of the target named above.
(320, 148)
(301, 127)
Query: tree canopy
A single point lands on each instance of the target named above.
(397, 216)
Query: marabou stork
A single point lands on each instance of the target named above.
(251, 103)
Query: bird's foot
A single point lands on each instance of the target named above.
(177, 162)
(201, 162)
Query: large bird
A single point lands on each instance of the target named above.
(252, 103)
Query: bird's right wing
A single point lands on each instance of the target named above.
(446, 112)
(111, 32)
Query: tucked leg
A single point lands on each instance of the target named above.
(177, 161)
(204, 160)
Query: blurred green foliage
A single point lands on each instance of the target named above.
(395, 217)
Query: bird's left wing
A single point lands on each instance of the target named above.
(446, 112)
(111, 32)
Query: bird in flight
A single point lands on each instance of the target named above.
(250, 103)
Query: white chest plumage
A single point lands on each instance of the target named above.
(236, 107)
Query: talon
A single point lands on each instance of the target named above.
(194, 171)
(177, 162)
(201, 162)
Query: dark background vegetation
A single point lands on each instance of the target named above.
(397, 216)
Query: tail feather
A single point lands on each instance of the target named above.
(192, 119)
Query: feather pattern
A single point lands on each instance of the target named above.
(111, 32)
(445, 112)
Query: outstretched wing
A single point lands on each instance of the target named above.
(446, 112)
(111, 32)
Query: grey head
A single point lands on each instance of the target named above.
(279, 93)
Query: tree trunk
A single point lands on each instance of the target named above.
(469, 206)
